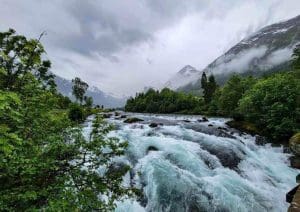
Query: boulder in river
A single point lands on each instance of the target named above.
(133, 120)
(152, 148)
(204, 119)
(123, 116)
(106, 115)
(153, 125)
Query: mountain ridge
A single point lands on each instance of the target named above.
(64, 86)
(266, 50)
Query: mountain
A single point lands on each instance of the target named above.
(64, 86)
(267, 50)
(186, 75)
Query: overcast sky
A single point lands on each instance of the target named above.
(121, 46)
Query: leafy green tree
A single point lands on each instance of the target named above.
(46, 163)
(19, 56)
(79, 89)
(232, 92)
(271, 104)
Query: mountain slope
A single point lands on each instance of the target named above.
(64, 86)
(183, 77)
(267, 50)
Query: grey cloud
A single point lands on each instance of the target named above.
(107, 30)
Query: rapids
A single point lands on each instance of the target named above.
(185, 164)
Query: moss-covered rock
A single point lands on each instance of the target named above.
(294, 143)
(133, 120)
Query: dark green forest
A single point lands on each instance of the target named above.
(268, 105)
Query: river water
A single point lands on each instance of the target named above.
(189, 165)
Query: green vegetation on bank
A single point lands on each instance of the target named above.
(164, 101)
(269, 105)
(46, 163)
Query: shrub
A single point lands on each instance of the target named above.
(76, 113)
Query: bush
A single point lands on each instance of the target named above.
(271, 104)
(76, 113)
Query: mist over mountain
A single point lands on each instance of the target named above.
(182, 77)
(64, 86)
(267, 50)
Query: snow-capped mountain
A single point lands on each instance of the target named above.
(266, 50)
(64, 86)
(186, 75)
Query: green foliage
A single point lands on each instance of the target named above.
(19, 56)
(272, 104)
(46, 163)
(165, 101)
(231, 93)
(88, 101)
(79, 89)
(209, 87)
(76, 113)
(296, 58)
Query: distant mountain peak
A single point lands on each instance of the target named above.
(188, 69)
(185, 75)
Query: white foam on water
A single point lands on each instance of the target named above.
(186, 171)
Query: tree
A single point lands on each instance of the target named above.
(296, 58)
(203, 81)
(209, 87)
(79, 89)
(46, 163)
(19, 56)
(232, 92)
(88, 101)
(271, 104)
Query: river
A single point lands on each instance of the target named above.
(189, 164)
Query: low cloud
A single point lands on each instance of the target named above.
(123, 46)
(240, 62)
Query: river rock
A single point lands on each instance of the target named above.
(204, 119)
(295, 162)
(153, 125)
(106, 115)
(123, 116)
(259, 140)
(152, 148)
(294, 143)
(133, 120)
